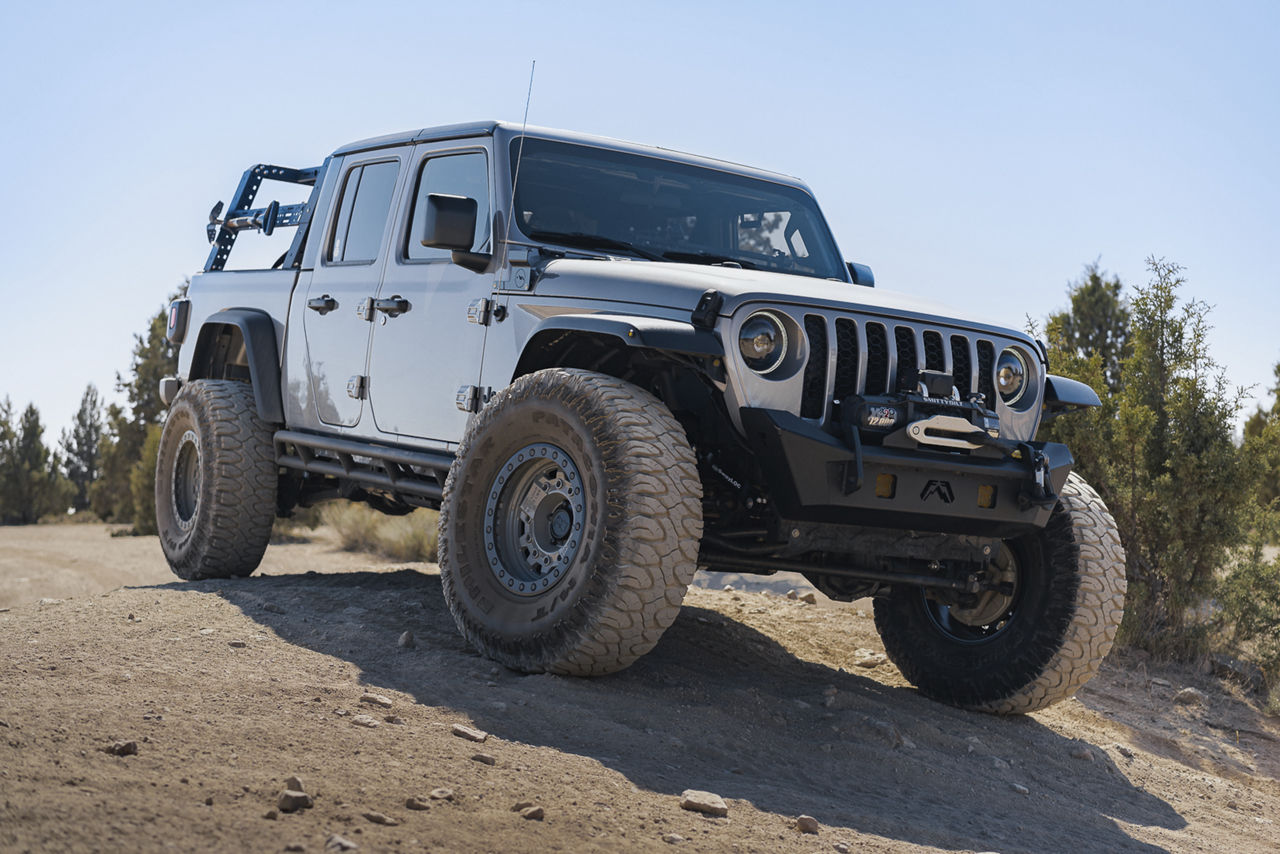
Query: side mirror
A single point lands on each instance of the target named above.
(449, 222)
(862, 274)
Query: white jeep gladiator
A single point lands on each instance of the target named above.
(608, 365)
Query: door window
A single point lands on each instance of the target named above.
(362, 213)
(451, 175)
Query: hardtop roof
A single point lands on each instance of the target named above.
(511, 129)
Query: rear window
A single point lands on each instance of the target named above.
(362, 213)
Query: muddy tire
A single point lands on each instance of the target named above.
(1031, 649)
(570, 524)
(216, 481)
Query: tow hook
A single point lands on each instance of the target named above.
(1038, 492)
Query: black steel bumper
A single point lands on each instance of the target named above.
(1000, 491)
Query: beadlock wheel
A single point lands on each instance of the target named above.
(186, 480)
(991, 614)
(533, 519)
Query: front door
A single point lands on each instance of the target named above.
(421, 357)
(347, 274)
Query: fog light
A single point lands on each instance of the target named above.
(986, 496)
(886, 485)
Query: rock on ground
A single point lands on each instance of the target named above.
(709, 803)
(291, 800)
(469, 733)
(1189, 697)
(376, 700)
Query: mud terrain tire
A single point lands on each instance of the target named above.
(1059, 625)
(216, 479)
(570, 524)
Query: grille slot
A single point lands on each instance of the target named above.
(812, 401)
(905, 339)
(877, 358)
(934, 357)
(846, 359)
(961, 365)
(986, 375)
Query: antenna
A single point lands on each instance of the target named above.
(515, 178)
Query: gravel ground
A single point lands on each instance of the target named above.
(163, 715)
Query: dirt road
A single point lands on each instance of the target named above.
(230, 687)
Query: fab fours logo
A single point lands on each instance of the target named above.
(939, 488)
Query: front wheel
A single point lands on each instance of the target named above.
(570, 524)
(1035, 639)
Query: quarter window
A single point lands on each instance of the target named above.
(362, 212)
(451, 175)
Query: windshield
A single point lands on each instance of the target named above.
(596, 198)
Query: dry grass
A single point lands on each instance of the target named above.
(400, 538)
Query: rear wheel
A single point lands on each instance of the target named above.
(1039, 637)
(570, 524)
(216, 481)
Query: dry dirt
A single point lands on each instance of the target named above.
(230, 687)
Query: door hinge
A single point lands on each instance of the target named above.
(358, 387)
(468, 398)
(471, 398)
(479, 311)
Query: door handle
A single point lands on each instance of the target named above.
(393, 307)
(324, 304)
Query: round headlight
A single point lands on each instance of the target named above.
(1011, 376)
(762, 340)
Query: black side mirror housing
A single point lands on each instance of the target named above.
(449, 222)
(861, 274)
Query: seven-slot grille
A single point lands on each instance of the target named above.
(872, 355)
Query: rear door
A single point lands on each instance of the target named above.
(339, 315)
(420, 358)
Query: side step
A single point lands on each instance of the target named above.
(400, 470)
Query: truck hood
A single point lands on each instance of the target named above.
(678, 286)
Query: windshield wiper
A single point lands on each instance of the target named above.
(708, 258)
(594, 241)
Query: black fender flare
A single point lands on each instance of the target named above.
(652, 333)
(1063, 395)
(261, 350)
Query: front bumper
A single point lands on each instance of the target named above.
(813, 476)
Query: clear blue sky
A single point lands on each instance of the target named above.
(977, 153)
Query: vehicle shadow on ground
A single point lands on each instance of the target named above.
(722, 707)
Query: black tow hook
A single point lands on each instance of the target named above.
(1037, 490)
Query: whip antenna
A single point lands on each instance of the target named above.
(515, 178)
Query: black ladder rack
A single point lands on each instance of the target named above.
(242, 215)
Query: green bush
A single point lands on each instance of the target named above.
(1248, 597)
(1160, 450)
(142, 483)
(399, 538)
